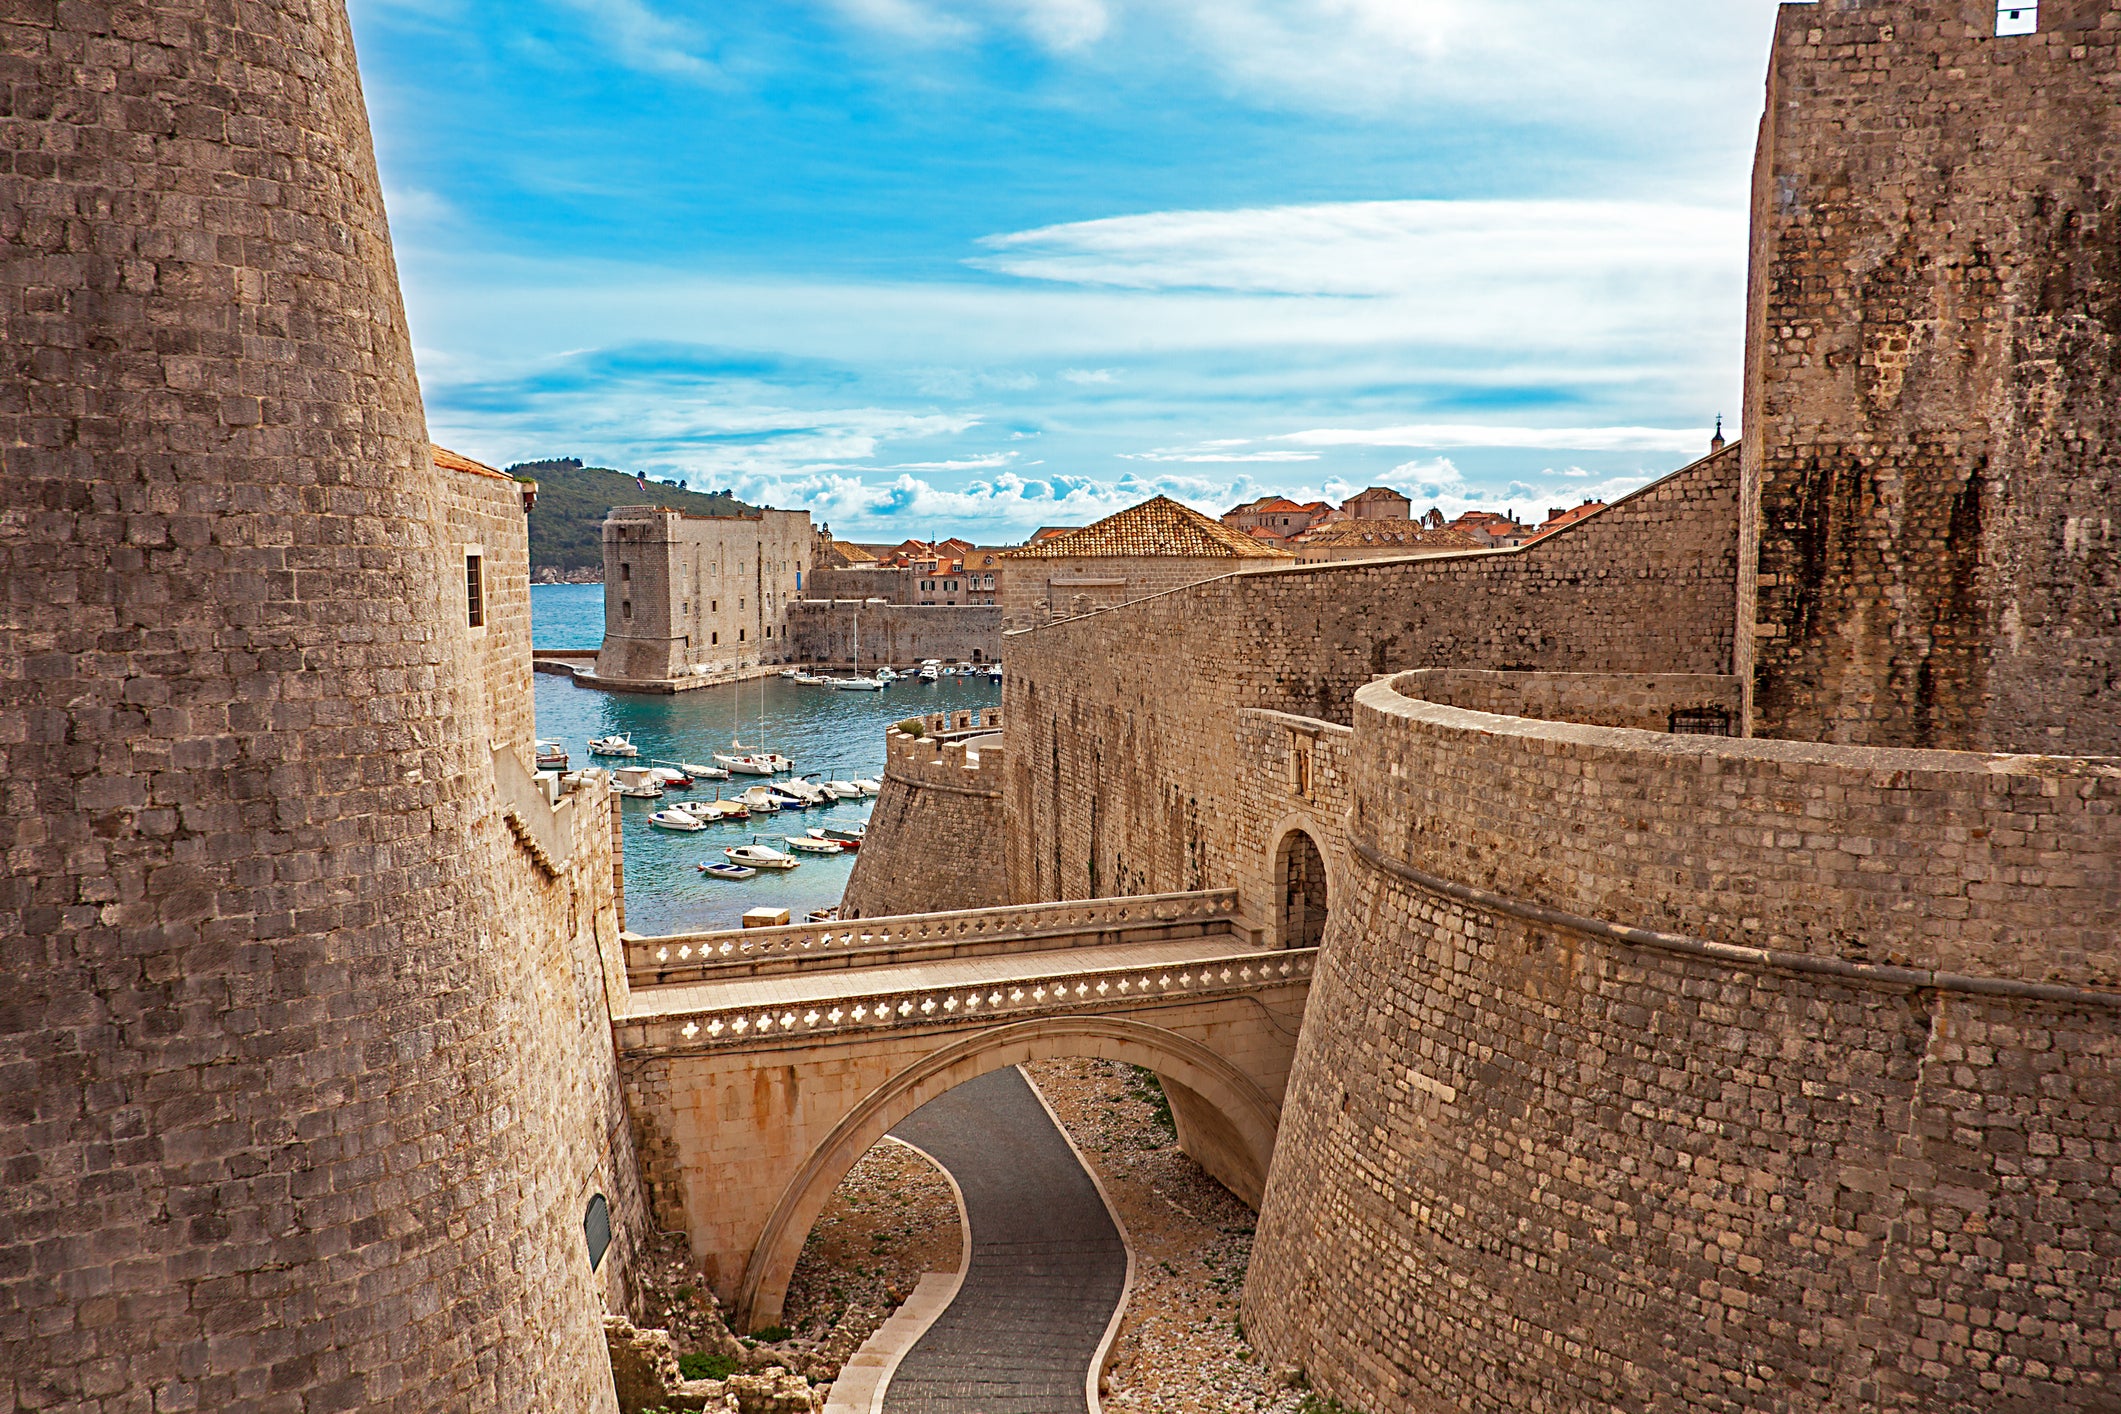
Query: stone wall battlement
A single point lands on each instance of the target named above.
(2007, 866)
(972, 763)
(655, 960)
(1651, 702)
(935, 838)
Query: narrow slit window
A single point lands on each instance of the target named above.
(475, 590)
(2017, 19)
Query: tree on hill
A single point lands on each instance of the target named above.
(567, 526)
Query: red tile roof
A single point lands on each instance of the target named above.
(446, 460)
(1158, 527)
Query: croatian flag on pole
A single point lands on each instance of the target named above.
(642, 478)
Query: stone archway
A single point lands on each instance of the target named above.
(1301, 891)
(1225, 1121)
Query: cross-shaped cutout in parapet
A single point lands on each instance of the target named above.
(2017, 19)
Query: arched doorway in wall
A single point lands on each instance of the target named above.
(1302, 881)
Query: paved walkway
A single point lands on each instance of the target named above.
(1047, 1264)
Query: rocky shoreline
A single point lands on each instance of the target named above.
(552, 574)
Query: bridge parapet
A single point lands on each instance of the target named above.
(1046, 991)
(690, 957)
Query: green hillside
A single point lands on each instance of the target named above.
(566, 528)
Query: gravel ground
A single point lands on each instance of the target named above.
(892, 1218)
(1181, 1349)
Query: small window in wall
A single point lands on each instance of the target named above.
(714, 606)
(740, 635)
(596, 1230)
(2017, 19)
(625, 573)
(713, 639)
(1701, 721)
(626, 609)
(475, 588)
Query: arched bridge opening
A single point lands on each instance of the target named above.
(1300, 876)
(761, 1065)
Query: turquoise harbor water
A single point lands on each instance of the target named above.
(839, 734)
(566, 615)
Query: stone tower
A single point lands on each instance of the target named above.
(274, 1127)
(1933, 411)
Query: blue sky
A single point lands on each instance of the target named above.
(977, 266)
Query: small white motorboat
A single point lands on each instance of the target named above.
(761, 856)
(774, 760)
(670, 776)
(618, 745)
(848, 843)
(858, 684)
(716, 869)
(807, 791)
(886, 675)
(744, 765)
(703, 773)
(841, 790)
(712, 811)
(870, 787)
(551, 756)
(931, 671)
(675, 819)
(636, 782)
(849, 835)
(761, 800)
(796, 673)
(810, 844)
(994, 670)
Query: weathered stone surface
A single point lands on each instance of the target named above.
(936, 833)
(1933, 403)
(307, 1085)
(644, 1365)
(691, 596)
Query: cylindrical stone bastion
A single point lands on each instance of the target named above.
(1649, 1071)
(936, 839)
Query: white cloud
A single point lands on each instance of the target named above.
(1575, 439)
(1212, 452)
(1411, 249)
(644, 39)
(1087, 376)
(1007, 507)
(1065, 24)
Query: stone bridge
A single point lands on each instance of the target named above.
(760, 1064)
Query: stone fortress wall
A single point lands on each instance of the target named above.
(1638, 1076)
(1036, 590)
(901, 635)
(308, 1077)
(1933, 407)
(690, 599)
(935, 840)
(1124, 776)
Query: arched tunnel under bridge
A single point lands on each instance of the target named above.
(760, 1065)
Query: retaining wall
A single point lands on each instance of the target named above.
(1125, 775)
(898, 634)
(1654, 1073)
(935, 835)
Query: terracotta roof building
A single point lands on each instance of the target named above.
(1275, 518)
(1378, 503)
(1145, 549)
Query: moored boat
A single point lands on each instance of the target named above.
(848, 843)
(717, 869)
(675, 819)
(850, 835)
(551, 756)
(760, 800)
(744, 765)
(870, 787)
(841, 790)
(618, 744)
(671, 776)
(636, 782)
(761, 856)
(812, 844)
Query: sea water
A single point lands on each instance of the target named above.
(839, 735)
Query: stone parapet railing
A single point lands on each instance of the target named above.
(686, 957)
(536, 809)
(969, 719)
(1061, 991)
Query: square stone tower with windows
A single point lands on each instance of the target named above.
(689, 598)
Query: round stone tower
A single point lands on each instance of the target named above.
(271, 1121)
